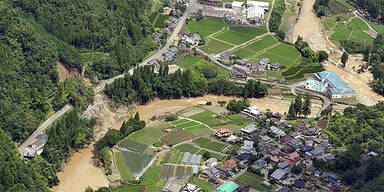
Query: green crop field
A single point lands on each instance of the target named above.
(261, 44)
(188, 61)
(177, 137)
(358, 24)
(152, 181)
(187, 124)
(209, 144)
(360, 36)
(243, 53)
(123, 168)
(149, 135)
(213, 46)
(206, 26)
(195, 127)
(276, 58)
(187, 148)
(206, 117)
(136, 161)
(172, 156)
(285, 50)
(254, 181)
(167, 171)
(329, 22)
(239, 35)
(130, 188)
(180, 121)
(132, 145)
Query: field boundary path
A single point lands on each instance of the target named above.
(42, 128)
(201, 123)
(370, 27)
(170, 41)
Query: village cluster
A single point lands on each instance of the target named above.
(280, 152)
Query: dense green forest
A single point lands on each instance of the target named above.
(375, 8)
(119, 29)
(376, 59)
(145, 84)
(276, 15)
(29, 87)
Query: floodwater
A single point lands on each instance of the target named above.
(80, 173)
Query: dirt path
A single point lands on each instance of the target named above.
(80, 173)
(64, 73)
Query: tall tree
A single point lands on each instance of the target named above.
(291, 112)
(344, 58)
(298, 105)
(307, 105)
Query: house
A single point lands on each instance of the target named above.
(373, 154)
(330, 178)
(249, 129)
(243, 187)
(279, 174)
(233, 139)
(285, 139)
(215, 172)
(283, 189)
(256, 10)
(37, 147)
(244, 157)
(211, 162)
(156, 37)
(251, 111)
(211, 175)
(315, 152)
(299, 183)
(191, 188)
(153, 63)
(228, 186)
(223, 132)
(244, 62)
(182, 47)
(211, 2)
(328, 157)
(275, 66)
(230, 164)
(265, 61)
(278, 132)
(247, 147)
(259, 163)
(173, 185)
(292, 158)
(228, 5)
(226, 56)
(283, 165)
(311, 131)
(167, 10)
(295, 143)
(258, 70)
(255, 136)
(239, 72)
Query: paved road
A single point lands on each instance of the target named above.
(42, 128)
(170, 41)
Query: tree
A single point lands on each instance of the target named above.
(307, 106)
(323, 56)
(344, 58)
(296, 169)
(291, 112)
(298, 105)
(206, 155)
(222, 103)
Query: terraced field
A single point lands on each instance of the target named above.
(209, 144)
(133, 145)
(177, 137)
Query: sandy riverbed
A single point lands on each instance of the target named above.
(80, 173)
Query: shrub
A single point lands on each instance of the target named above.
(171, 117)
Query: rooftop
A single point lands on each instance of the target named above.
(338, 85)
(228, 186)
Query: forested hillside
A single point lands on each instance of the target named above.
(108, 36)
(373, 7)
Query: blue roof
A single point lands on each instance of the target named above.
(315, 84)
(338, 86)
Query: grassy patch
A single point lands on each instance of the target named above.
(261, 44)
(136, 161)
(243, 53)
(130, 188)
(360, 36)
(206, 117)
(209, 144)
(285, 50)
(172, 156)
(176, 137)
(206, 186)
(254, 181)
(239, 35)
(275, 58)
(152, 180)
(341, 34)
(213, 46)
(133, 145)
(187, 148)
(205, 26)
(214, 155)
(160, 22)
(188, 61)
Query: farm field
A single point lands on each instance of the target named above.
(214, 155)
(254, 181)
(172, 156)
(188, 125)
(206, 186)
(168, 171)
(149, 135)
(132, 145)
(177, 137)
(261, 44)
(188, 61)
(213, 46)
(151, 179)
(160, 21)
(239, 35)
(123, 168)
(209, 144)
(187, 148)
(136, 161)
(206, 26)
(206, 117)
(299, 72)
(289, 16)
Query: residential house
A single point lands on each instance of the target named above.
(173, 185)
(328, 157)
(295, 143)
(373, 154)
(233, 139)
(265, 61)
(243, 158)
(330, 178)
(153, 63)
(167, 10)
(251, 111)
(279, 174)
(258, 70)
(211, 2)
(226, 56)
(311, 131)
(275, 66)
(292, 158)
(211, 162)
(259, 164)
(230, 164)
(223, 132)
(255, 136)
(283, 189)
(156, 37)
(283, 165)
(247, 147)
(249, 129)
(239, 72)
(244, 62)
(191, 188)
(315, 152)
(299, 183)
(285, 139)
(278, 132)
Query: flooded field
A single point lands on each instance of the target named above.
(80, 173)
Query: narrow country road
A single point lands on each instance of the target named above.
(42, 128)
(170, 41)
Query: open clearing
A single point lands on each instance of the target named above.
(136, 161)
(239, 35)
(149, 135)
(133, 145)
(187, 148)
(209, 144)
(213, 46)
(254, 181)
(206, 26)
